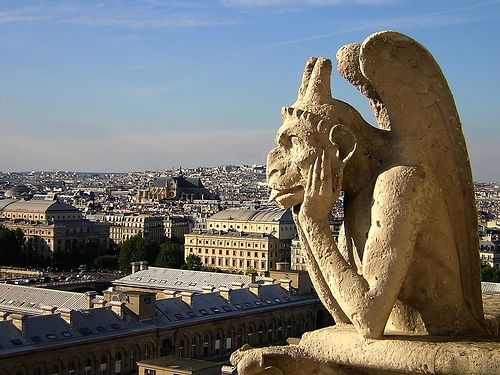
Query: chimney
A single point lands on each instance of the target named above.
(254, 288)
(117, 308)
(67, 315)
(253, 277)
(286, 284)
(268, 280)
(236, 285)
(90, 296)
(98, 302)
(19, 321)
(143, 265)
(188, 298)
(208, 289)
(135, 266)
(225, 293)
(48, 310)
(169, 293)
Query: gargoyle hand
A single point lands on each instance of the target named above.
(323, 185)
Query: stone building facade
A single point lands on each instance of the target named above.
(239, 239)
(112, 336)
(51, 226)
(174, 188)
(122, 227)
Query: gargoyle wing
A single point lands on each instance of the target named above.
(424, 122)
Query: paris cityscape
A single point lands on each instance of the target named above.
(142, 228)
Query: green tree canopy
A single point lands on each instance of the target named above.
(490, 274)
(136, 249)
(171, 255)
(12, 249)
(193, 262)
(107, 261)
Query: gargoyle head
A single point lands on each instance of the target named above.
(310, 126)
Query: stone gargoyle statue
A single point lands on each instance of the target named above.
(407, 256)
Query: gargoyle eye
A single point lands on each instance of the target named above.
(284, 140)
(296, 141)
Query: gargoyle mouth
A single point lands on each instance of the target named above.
(277, 195)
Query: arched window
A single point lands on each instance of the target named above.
(71, 368)
(166, 348)
(88, 366)
(205, 346)
(217, 344)
(118, 363)
(181, 348)
(103, 366)
(193, 348)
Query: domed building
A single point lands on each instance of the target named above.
(52, 226)
(18, 191)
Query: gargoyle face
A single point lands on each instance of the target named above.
(298, 145)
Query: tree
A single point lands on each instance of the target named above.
(171, 255)
(12, 246)
(490, 274)
(193, 262)
(136, 249)
(250, 270)
(107, 261)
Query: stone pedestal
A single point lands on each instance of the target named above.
(341, 350)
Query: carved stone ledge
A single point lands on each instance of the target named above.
(341, 350)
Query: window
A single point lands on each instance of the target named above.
(148, 371)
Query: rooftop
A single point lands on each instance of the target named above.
(256, 215)
(180, 280)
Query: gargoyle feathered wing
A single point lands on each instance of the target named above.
(409, 88)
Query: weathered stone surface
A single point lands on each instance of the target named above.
(407, 257)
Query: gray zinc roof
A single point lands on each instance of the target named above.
(40, 206)
(257, 215)
(17, 298)
(5, 202)
(180, 280)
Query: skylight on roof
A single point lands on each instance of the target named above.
(101, 329)
(204, 312)
(17, 342)
(51, 336)
(36, 339)
(115, 326)
(66, 334)
(86, 331)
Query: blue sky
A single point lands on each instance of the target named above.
(150, 85)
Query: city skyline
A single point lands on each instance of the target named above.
(152, 85)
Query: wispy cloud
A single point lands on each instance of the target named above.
(23, 15)
(301, 3)
(137, 23)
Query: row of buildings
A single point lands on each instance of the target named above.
(150, 314)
